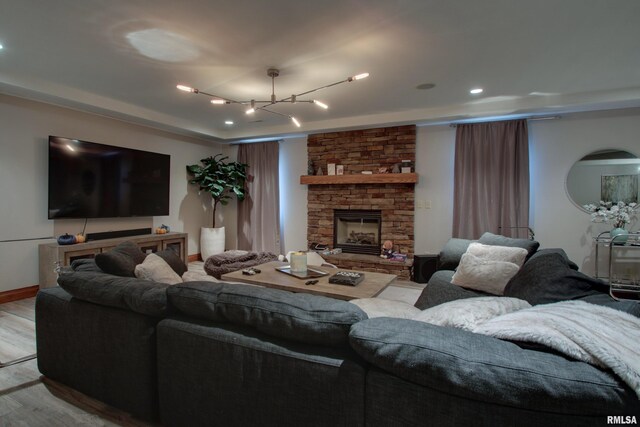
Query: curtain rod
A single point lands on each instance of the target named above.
(530, 119)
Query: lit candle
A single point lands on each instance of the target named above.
(298, 262)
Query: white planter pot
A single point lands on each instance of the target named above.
(211, 241)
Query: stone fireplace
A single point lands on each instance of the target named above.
(393, 198)
(357, 230)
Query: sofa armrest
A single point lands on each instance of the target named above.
(482, 368)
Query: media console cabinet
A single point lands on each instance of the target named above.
(52, 253)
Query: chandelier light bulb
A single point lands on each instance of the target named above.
(250, 110)
(320, 104)
(186, 88)
(361, 76)
(217, 101)
(295, 122)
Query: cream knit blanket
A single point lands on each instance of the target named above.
(591, 333)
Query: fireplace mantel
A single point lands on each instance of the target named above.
(381, 178)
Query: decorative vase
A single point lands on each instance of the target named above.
(619, 236)
(211, 241)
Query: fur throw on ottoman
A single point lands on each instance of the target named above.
(226, 262)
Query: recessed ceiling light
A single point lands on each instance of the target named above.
(426, 86)
(228, 122)
(476, 90)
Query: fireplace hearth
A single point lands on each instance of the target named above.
(357, 231)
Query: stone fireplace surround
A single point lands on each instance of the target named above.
(358, 151)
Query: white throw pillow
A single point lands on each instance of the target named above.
(498, 253)
(380, 307)
(484, 275)
(211, 241)
(470, 312)
(156, 269)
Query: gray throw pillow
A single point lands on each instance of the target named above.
(548, 278)
(121, 260)
(495, 240)
(173, 260)
(85, 264)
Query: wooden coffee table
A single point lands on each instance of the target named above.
(372, 285)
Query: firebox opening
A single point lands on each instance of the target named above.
(357, 231)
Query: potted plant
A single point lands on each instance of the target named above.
(222, 180)
(619, 215)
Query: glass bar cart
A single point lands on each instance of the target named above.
(623, 263)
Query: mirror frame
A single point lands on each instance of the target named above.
(566, 175)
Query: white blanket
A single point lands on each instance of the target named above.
(591, 333)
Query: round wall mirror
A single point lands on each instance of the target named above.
(608, 175)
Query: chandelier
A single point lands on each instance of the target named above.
(255, 105)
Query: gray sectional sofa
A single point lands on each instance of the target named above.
(203, 354)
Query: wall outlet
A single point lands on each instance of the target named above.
(420, 204)
(427, 204)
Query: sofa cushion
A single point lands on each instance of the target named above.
(440, 290)
(294, 316)
(380, 307)
(628, 306)
(483, 274)
(85, 264)
(496, 240)
(498, 253)
(450, 255)
(480, 368)
(549, 278)
(121, 260)
(140, 296)
(470, 312)
(156, 269)
(173, 260)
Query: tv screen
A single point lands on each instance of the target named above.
(89, 180)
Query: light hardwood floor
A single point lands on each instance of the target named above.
(30, 400)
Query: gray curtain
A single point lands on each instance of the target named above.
(491, 188)
(259, 213)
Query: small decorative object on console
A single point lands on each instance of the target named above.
(331, 168)
(80, 238)
(340, 170)
(349, 278)
(66, 239)
(163, 229)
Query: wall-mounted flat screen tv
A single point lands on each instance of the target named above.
(89, 180)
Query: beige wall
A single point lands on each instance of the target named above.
(554, 146)
(25, 125)
(24, 129)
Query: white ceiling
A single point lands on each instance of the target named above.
(530, 56)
